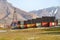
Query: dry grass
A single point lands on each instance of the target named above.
(29, 34)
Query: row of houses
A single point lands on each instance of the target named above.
(38, 22)
(34, 23)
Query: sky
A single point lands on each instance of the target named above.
(29, 5)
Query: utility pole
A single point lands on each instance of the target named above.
(14, 21)
(14, 16)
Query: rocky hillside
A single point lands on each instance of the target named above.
(7, 11)
(52, 11)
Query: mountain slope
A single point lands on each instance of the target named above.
(7, 11)
(52, 11)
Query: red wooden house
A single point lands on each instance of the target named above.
(49, 22)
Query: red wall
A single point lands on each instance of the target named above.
(53, 24)
(44, 24)
(48, 24)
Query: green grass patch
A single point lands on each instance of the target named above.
(30, 34)
(52, 29)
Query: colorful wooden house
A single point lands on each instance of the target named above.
(38, 22)
(33, 23)
(49, 22)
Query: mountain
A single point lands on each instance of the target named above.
(52, 11)
(7, 12)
